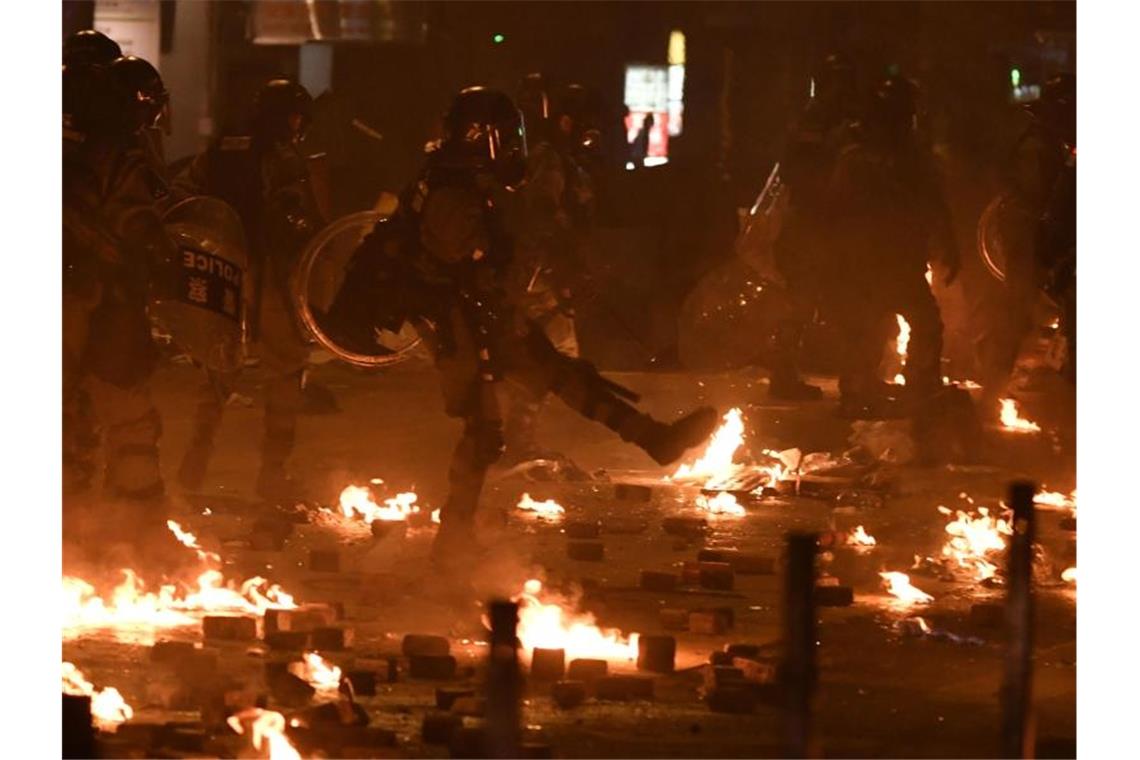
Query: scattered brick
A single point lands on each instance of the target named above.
(445, 697)
(568, 694)
(547, 664)
(425, 644)
(582, 529)
(331, 639)
(656, 653)
(587, 670)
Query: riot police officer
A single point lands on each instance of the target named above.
(90, 48)
(552, 216)
(888, 219)
(264, 176)
(445, 254)
(801, 252)
(148, 104)
(114, 243)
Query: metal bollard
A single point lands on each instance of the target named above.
(798, 671)
(503, 678)
(1017, 687)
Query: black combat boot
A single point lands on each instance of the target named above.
(667, 443)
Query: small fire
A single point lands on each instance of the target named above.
(902, 342)
(975, 537)
(435, 516)
(1012, 420)
(1057, 500)
(548, 508)
(358, 500)
(1069, 575)
(266, 730)
(108, 708)
(898, 585)
(190, 541)
(549, 625)
(860, 537)
(317, 671)
(716, 464)
(929, 275)
(724, 503)
(130, 605)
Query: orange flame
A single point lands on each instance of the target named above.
(1057, 500)
(1069, 575)
(899, 586)
(902, 342)
(1012, 420)
(267, 732)
(190, 541)
(358, 500)
(724, 503)
(974, 539)
(716, 463)
(548, 625)
(548, 508)
(321, 674)
(108, 708)
(860, 537)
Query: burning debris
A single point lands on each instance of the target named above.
(898, 585)
(548, 508)
(1069, 575)
(359, 502)
(108, 708)
(716, 463)
(321, 674)
(266, 731)
(723, 503)
(1012, 420)
(976, 541)
(860, 538)
(190, 541)
(1057, 500)
(548, 623)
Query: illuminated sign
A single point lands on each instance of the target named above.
(647, 95)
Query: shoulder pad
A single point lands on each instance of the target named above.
(235, 143)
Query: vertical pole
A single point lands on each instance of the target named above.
(1017, 687)
(799, 670)
(503, 681)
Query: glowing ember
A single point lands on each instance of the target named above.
(1069, 575)
(898, 585)
(975, 539)
(435, 516)
(550, 625)
(130, 605)
(321, 674)
(358, 500)
(548, 508)
(1056, 500)
(723, 503)
(929, 275)
(860, 537)
(716, 464)
(901, 344)
(1012, 420)
(266, 730)
(108, 708)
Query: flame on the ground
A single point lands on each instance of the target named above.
(130, 604)
(975, 539)
(321, 674)
(860, 537)
(716, 462)
(435, 516)
(1069, 575)
(899, 586)
(1011, 419)
(359, 500)
(549, 623)
(902, 342)
(1057, 500)
(266, 730)
(724, 503)
(548, 508)
(190, 541)
(108, 708)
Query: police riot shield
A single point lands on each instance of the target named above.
(761, 226)
(202, 306)
(318, 291)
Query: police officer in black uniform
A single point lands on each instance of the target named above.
(264, 176)
(801, 250)
(888, 219)
(114, 245)
(90, 48)
(444, 257)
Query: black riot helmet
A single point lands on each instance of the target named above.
(484, 130)
(90, 47)
(534, 102)
(281, 112)
(92, 104)
(577, 117)
(1057, 107)
(146, 100)
(893, 111)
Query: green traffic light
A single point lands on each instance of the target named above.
(1015, 77)
(498, 38)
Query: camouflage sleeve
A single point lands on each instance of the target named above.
(545, 189)
(452, 228)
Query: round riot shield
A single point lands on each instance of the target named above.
(1005, 231)
(201, 305)
(318, 284)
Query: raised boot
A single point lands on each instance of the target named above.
(668, 442)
